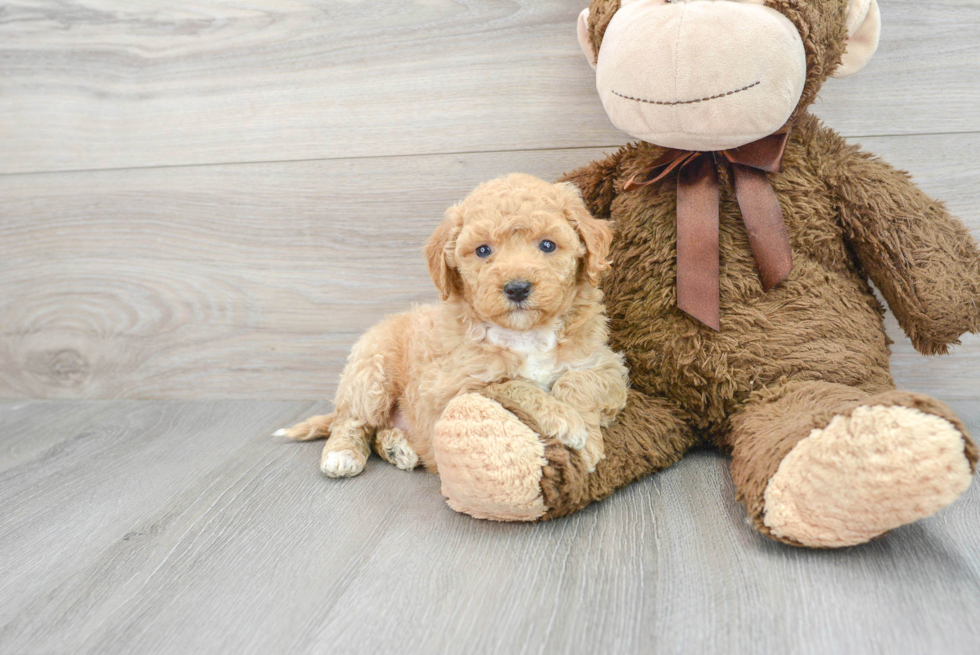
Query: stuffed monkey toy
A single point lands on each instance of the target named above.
(746, 236)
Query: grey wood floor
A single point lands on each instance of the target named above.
(182, 527)
(204, 202)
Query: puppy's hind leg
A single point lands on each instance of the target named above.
(345, 452)
(365, 398)
(392, 445)
(347, 449)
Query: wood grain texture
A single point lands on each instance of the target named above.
(82, 489)
(91, 84)
(177, 527)
(253, 281)
(150, 283)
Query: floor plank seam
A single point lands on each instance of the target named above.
(456, 153)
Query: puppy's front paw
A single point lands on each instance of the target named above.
(541, 411)
(575, 436)
(341, 464)
(568, 427)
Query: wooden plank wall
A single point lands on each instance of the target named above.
(214, 199)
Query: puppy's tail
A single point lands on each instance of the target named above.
(315, 427)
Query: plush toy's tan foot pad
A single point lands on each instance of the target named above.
(489, 462)
(865, 474)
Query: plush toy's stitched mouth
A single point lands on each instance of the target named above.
(688, 102)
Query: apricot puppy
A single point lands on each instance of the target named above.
(517, 264)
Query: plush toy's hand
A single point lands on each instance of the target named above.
(494, 465)
(490, 462)
(924, 261)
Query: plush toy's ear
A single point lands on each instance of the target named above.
(439, 255)
(863, 32)
(583, 37)
(596, 235)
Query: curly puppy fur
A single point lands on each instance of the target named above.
(546, 351)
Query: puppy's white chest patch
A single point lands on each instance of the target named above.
(537, 348)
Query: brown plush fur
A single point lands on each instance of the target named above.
(788, 360)
(547, 351)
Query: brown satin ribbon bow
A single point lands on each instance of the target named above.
(698, 199)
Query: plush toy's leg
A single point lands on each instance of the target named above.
(826, 465)
(494, 466)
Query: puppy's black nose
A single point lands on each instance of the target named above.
(517, 290)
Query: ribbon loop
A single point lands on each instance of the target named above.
(766, 154)
(667, 164)
(698, 199)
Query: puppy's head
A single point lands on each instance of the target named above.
(518, 250)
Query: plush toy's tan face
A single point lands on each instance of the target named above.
(715, 74)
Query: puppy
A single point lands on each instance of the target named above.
(517, 264)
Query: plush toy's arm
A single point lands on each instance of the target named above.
(597, 182)
(924, 261)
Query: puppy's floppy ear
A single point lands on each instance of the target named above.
(439, 254)
(595, 234)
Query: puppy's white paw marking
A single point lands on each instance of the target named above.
(341, 464)
(402, 456)
(281, 433)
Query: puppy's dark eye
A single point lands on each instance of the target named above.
(483, 251)
(547, 246)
